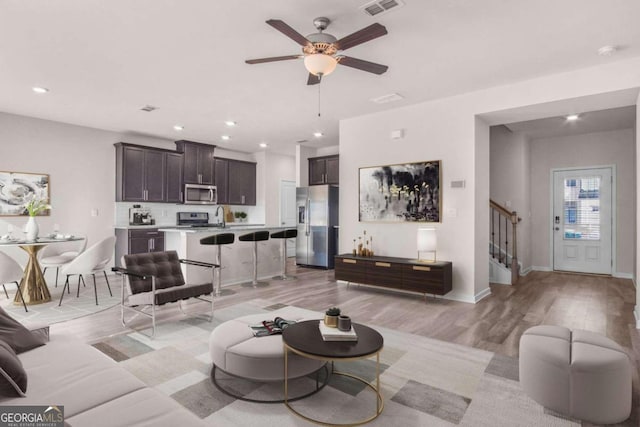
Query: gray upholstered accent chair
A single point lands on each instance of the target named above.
(154, 279)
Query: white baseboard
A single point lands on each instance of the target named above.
(623, 275)
(636, 313)
(526, 271)
(539, 268)
(482, 294)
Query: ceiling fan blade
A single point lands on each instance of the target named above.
(313, 79)
(289, 32)
(363, 65)
(364, 35)
(272, 59)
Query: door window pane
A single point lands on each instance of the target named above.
(581, 208)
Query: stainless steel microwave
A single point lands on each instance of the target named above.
(199, 194)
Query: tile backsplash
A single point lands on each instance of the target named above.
(165, 213)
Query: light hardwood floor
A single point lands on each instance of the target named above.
(599, 304)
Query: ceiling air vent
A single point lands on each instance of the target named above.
(376, 8)
(148, 108)
(391, 97)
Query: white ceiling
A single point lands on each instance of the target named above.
(104, 60)
(588, 122)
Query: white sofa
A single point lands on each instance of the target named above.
(93, 389)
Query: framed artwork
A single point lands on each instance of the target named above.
(407, 192)
(17, 188)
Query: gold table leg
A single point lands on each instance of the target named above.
(375, 388)
(34, 287)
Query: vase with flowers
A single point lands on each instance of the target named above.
(34, 205)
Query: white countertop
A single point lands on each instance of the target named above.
(173, 227)
(228, 228)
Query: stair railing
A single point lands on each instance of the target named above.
(505, 223)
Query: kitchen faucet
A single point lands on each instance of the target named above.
(224, 224)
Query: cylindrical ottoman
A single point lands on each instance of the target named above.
(235, 351)
(577, 373)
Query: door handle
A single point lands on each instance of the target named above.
(243, 200)
(308, 218)
(210, 195)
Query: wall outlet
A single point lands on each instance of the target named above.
(94, 212)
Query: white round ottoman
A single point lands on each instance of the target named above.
(237, 352)
(577, 373)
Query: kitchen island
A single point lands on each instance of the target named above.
(237, 258)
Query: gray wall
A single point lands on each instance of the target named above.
(594, 149)
(510, 182)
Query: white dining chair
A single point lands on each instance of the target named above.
(11, 272)
(59, 254)
(90, 262)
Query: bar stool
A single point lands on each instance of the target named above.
(255, 237)
(218, 240)
(283, 235)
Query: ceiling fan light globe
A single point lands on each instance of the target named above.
(320, 64)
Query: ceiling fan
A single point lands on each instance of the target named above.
(321, 50)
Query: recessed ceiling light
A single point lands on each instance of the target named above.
(263, 145)
(179, 128)
(225, 137)
(572, 117)
(607, 50)
(38, 89)
(318, 134)
(230, 123)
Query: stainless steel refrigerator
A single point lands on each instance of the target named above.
(317, 210)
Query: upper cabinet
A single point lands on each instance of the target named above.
(241, 182)
(221, 172)
(147, 174)
(174, 185)
(198, 162)
(324, 170)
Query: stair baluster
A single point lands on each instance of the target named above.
(502, 246)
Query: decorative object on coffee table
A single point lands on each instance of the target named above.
(344, 323)
(331, 317)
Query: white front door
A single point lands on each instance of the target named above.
(288, 211)
(582, 220)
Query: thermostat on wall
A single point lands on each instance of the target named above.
(457, 184)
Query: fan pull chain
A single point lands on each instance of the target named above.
(319, 99)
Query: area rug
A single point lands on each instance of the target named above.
(72, 307)
(425, 382)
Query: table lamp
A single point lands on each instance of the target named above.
(427, 242)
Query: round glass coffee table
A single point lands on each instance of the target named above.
(304, 339)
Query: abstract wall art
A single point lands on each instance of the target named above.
(407, 192)
(18, 188)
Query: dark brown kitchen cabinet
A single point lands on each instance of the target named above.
(198, 162)
(241, 182)
(174, 185)
(140, 174)
(138, 241)
(324, 170)
(221, 170)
